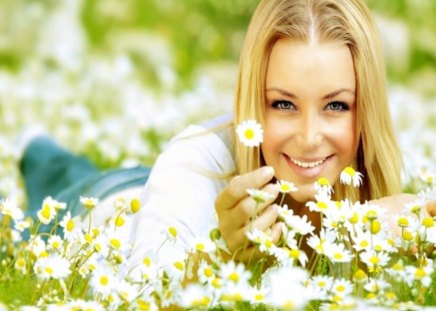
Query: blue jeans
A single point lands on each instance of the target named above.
(49, 170)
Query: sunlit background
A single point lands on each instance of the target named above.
(115, 79)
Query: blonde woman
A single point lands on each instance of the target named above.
(311, 72)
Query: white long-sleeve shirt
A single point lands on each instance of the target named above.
(181, 191)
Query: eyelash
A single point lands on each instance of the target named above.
(278, 104)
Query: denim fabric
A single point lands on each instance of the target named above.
(50, 170)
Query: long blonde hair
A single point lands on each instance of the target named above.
(344, 21)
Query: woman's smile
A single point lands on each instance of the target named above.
(307, 168)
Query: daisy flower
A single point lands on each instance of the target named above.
(46, 214)
(53, 266)
(203, 245)
(420, 274)
(286, 186)
(9, 207)
(54, 242)
(321, 284)
(250, 133)
(103, 280)
(338, 253)
(195, 296)
(22, 225)
(234, 272)
(322, 186)
(205, 272)
(89, 202)
(374, 260)
(351, 177)
(322, 205)
(71, 226)
(283, 281)
(54, 204)
(259, 196)
(342, 288)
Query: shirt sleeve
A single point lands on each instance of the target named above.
(181, 193)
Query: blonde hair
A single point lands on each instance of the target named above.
(344, 21)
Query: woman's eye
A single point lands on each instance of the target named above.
(337, 106)
(283, 105)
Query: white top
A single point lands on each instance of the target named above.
(181, 192)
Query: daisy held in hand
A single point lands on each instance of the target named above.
(250, 133)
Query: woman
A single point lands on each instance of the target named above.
(311, 72)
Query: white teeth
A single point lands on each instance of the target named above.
(307, 164)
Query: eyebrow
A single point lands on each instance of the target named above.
(330, 95)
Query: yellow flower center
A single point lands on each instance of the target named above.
(208, 272)
(374, 260)
(375, 227)
(403, 222)
(323, 182)
(407, 236)
(428, 222)
(350, 171)
(359, 274)
(119, 221)
(147, 261)
(420, 273)
(172, 231)
(199, 247)
(340, 288)
(135, 205)
(354, 219)
(46, 212)
(234, 277)
(70, 225)
(115, 243)
(249, 133)
(338, 256)
(104, 280)
(294, 253)
(259, 297)
(179, 265)
(48, 270)
(364, 243)
(322, 205)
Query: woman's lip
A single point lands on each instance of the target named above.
(313, 168)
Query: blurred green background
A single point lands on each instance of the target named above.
(115, 79)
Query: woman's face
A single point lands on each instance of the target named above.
(310, 114)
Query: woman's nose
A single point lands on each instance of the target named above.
(310, 131)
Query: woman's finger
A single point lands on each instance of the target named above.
(236, 190)
(248, 208)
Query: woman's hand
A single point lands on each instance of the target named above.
(238, 212)
(394, 206)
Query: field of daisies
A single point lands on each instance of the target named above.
(114, 80)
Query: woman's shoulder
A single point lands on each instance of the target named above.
(206, 143)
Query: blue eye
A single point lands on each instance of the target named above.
(337, 106)
(283, 105)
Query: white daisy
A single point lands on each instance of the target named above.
(195, 296)
(351, 177)
(250, 133)
(9, 207)
(53, 266)
(89, 202)
(322, 186)
(259, 196)
(103, 280)
(47, 213)
(234, 272)
(338, 253)
(286, 186)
